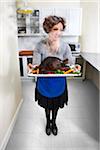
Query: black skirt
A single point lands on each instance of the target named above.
(52, 103)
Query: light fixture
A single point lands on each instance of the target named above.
(25, 9)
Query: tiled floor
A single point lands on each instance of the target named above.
(77, 123)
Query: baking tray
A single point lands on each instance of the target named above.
(54, 75)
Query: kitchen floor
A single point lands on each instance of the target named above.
(78, 123)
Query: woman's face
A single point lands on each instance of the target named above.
(56, 32)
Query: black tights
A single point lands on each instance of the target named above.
(54, 115)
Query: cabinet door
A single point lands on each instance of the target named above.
(60, 12)
(64, 13)
(75, 18)
(45, 12)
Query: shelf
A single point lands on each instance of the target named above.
(42, 34)
(34, 17)
(27, 35)
(21, 18)
(21, 26)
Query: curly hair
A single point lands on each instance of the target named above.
(50, 21)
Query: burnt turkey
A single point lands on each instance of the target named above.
(51, 64)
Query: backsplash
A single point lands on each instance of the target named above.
(28, 43)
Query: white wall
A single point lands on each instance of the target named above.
(52, 4)
(10, 88)
(48, 3)
(99, 29)
(91, 35)
(90, 26)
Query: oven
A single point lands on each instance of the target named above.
(75, 48)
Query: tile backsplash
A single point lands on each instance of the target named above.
(29, 42)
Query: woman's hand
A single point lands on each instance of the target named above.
(78, 67)
(30, 67)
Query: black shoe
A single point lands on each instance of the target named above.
(54, 129)
(48, 130)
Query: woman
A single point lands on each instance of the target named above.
(51, 93)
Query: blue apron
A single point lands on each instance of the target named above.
(51, 86)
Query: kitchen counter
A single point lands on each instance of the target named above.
(92, 58)
(91, 67)
(25, 52)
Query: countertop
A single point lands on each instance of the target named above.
(92, 58)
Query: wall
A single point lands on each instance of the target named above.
(10, 88)
(99, 27)
(90, 26)
(47, 3)
(91, 35)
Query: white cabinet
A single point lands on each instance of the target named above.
(75, 21)
(73, 17)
